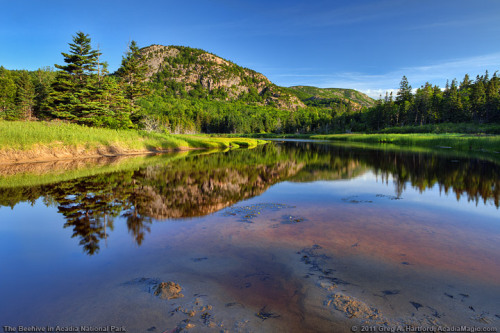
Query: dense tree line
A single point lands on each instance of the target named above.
(23, 94)
(470, 101)
(195, 115)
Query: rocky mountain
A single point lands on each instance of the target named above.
(189, 72)
(357, 98)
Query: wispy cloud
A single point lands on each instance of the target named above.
(327, 13)
(375, 85)
(464, 22)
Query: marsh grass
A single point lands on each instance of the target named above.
(463, 128)
(17, 135)
(452, 141)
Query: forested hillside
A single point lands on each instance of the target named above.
(314, 96)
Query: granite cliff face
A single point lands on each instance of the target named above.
(194, 72)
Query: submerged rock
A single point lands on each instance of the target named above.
(168, 290)
(352, 307)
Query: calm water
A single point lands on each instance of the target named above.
(288, 237)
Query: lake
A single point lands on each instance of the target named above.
(288, 237)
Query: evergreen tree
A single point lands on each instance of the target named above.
(404, 92)
(133, 73)
(478, 99)
(7, 93)
(465, 83)
(436, 104)
(403, 99)
(465, 91)
(452, 107)
(72, 97)
(25, 95)
(82, 61)
(492, 105)
(82, 92)
(44, 77)
(422, 104)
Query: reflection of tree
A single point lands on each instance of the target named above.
(136, 225)
(89, 210)
(203, 184)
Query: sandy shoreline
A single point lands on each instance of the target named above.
(45, 154)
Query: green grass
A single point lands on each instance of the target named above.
(23, 136)
(461, 142)
(471, 138)
(464, 128)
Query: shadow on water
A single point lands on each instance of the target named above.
(198, 185)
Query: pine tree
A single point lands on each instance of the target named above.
(44, 77)
(492, 105)
(404, 92)
(71, 98)
(452, 105)
(83, 93)
(403, 99)
(7, 93)
(82, 61)
(436, 104)
(133, 73)
(25, 95)
(478, 99)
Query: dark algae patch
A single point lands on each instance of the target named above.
(354, 200)
(292, 219)
(317, 263)
(248, 213)
(391, 292)
(264, 314)
(448, 295)
(199, 259)
(416, 305)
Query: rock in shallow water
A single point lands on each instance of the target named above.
(352, 307)
(168, 290)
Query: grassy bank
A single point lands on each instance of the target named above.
(409, 137)
(443, 128)
(39, 140)
(461, 142)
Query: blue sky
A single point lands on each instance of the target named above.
(364, 45)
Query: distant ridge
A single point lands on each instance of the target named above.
(358, 98)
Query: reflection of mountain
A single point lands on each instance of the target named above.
(202, 184)
(194, 186)
(188, 193)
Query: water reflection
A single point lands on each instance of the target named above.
(476, 179)
(203, 184)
